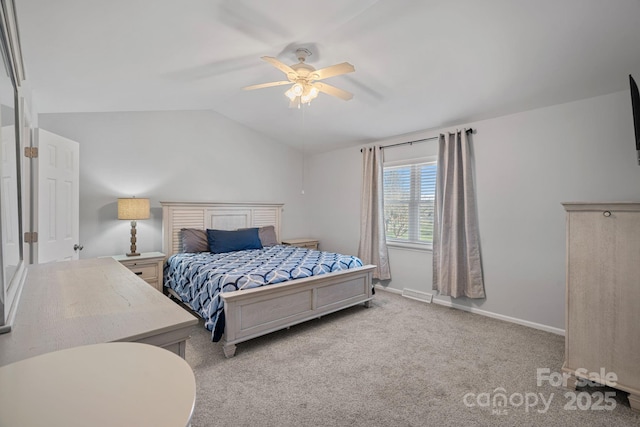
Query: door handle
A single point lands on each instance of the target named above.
(78, 247)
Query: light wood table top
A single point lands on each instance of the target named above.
(109, 384)
(91, 301)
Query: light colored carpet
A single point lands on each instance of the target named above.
(399, 363)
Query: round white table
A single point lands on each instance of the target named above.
(110, 384)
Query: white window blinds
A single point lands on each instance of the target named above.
(409, 197)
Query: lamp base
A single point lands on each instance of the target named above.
(133, 249)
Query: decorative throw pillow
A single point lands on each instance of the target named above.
(268, 236)
(194, 240)
(239, 240)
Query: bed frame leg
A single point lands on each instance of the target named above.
(229, 350)
(367, 303)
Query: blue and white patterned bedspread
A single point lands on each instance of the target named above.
(198, 278)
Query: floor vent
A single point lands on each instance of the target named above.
(417, 295)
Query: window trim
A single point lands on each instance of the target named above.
(401, 244)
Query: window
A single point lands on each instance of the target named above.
(409, 199)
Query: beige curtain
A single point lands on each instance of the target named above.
(373, 244)
(457, 266)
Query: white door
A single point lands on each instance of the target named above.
(58, 201)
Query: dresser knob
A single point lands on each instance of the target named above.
(606, 213)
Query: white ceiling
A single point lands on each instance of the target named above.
(420, 64)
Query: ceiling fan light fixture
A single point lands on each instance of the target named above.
(304, 91)
(298, 89)
(289, 94)
(310, 93)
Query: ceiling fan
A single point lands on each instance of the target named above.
(304, 79)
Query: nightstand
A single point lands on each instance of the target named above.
(302, 243)
(148, 266)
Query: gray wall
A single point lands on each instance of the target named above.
(526, 165)
(172, 156)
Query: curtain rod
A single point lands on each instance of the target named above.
(471, 130)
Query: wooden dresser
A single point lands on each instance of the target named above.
(91, 301)
(603, 295)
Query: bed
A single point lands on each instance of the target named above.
(255, 309)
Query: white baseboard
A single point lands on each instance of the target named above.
(515, 320)
(391, 290)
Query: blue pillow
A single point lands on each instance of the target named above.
(227, 241)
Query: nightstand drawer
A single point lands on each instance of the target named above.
(145, 271)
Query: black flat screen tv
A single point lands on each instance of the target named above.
(635, 106)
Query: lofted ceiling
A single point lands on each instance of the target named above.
(419, 64)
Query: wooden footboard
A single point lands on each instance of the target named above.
(254, 312)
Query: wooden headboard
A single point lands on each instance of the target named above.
(221, 216)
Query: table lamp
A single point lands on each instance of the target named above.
(133, 209)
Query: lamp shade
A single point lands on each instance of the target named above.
(133, 208)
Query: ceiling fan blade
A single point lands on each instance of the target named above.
(333, 91)
(280, 66)
(334, 70)
(263, 85)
